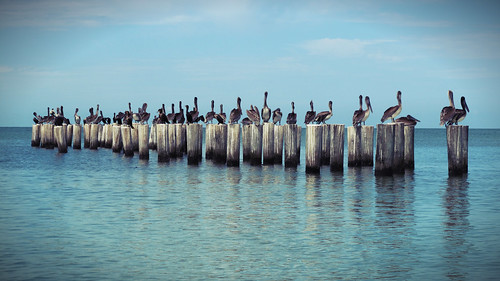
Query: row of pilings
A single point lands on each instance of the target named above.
(259, 144)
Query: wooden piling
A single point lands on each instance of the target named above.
(60, 137)
(77, 136)
(134, 134)
(314, 135)
(86, 135)
(246, 137)
(143, 136)
(171, 141)
(161, 142)
(353, 146)
(367, 145)
(220, 153)
(153, 139)
(100, 134)
(94, 136)
(179, 140)
(384, 156)
(35, 135)
(117, 139)
(325, 144)
(457, 138)
(299, 142)
(69, 135)
(184, 138)
(108, 136)
(209, 141)
(409, 147)
(399, 149)
(291, 145)
(47, 137)
(278, 144)
(268, 143)
(126, 133)
(193, 137)
(337, 147)
(233, 145)
(256, 144)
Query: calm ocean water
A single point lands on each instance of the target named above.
(95, 215)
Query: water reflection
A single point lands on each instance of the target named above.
(456, 226)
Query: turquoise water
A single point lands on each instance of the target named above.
(96, 215)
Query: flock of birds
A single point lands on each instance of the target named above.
(449, 114)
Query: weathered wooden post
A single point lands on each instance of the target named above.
(143, 135)
(209, 141)
(291, 142)
(108, 140)
(77, 136)
(409, 147)
(367, 145)
(86, 135)
(314, 135)
(126, 133)
(325, 144)
(35, 135)
(153, 139)
(220, 154)
(256, 145)
(268, 143)
(117, 139)
(60, 137)
(171, 141)
(299, 142)
(384, 156)
(278, 144)
(193, 136)
(399, 148)
(94, 136)
(179, 140)
(134, 135)
(337, 147)
(246, 137)
(457, 138)
(69, 134)
(162, 143)
(353, 146)
(184, 140)
(233, 145)
(100, 134)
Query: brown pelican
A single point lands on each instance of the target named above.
(179, 117)
(310, 114)
(194, 113)
(460, 113)
(246, 121)
(221, 117)
(144, 116)
(211, 114)
(235, 114)
(368, 109)
(266, 111)
(253, 114)
(358, 115)
(37, 119)
(408, 120)
(292, 116)
(447, 112)
(127, 119)
(277, 115)
(189, 117)
(324, 115)
(162, 117)
(77, 118)
(393, 111)
(171, 116)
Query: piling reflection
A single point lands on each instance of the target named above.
(456, 226)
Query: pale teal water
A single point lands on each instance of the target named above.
(95, 215)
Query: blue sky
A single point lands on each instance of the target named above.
(80, 53)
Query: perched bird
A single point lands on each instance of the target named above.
(37, 119)
(211, 114)
(77, 118)
(179, 117)
(162, 117)
(194, 113)
(266, 111)
(277, 115)
(368, 109)
(324, 115)
(171, 116)
(310, 114)
(447, 112)
(359, 113)
(393, 111)
(253, 114)
(292, 116)
(235, 114)
(144, 116)
(246, 121)
(460, 113)
(221, 117)
(408, 120)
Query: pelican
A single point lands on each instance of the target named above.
(179, 117)
(447, 112)
(194, 113)
(189, 117)
(310, 114)
(246, 121)
(368, 109)
(235, 114)
(211, 114)
(77, 118)
(171, 116)
(292, 116)
(460, 113)
(266, 111)
(253, 115)
(359, 113)
(393, 111)
(37, 119)
(277, 115)
(324, 115)
(221, 117)
(162, 117)
(408, 120)
(144, 116)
